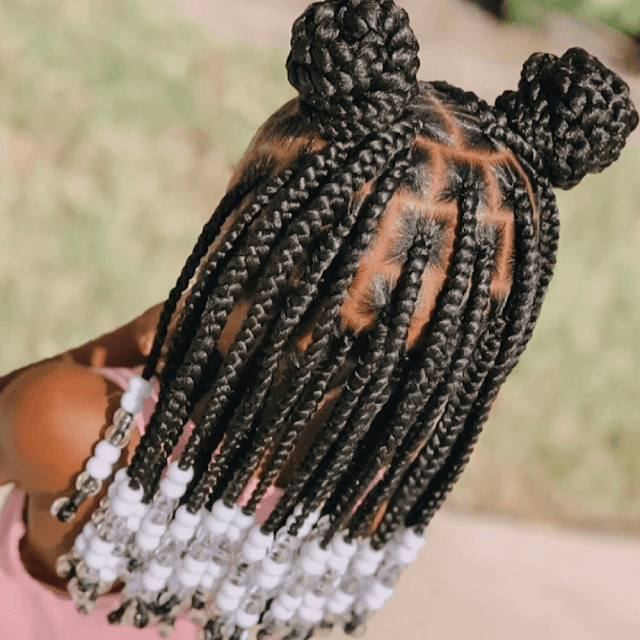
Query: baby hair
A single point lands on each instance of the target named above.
(385, 248)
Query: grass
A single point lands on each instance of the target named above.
(119, 125)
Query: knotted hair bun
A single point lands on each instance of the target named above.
(354, 63)
(573, 111)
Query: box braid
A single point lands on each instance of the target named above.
(407, 431)
(586, 87)
(391, 242)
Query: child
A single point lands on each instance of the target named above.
(325, 362)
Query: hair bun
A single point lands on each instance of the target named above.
(574, 111)
(354, 63)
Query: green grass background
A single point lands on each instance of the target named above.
(119, 125)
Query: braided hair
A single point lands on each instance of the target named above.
(385, 248)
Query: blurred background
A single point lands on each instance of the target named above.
(120, 122)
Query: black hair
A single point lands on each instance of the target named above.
(403, 357)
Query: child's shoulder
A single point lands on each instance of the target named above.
(51, 416)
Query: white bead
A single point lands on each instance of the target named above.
(129, 495)
(266, 581)
(207, 582)
(251, 553)
(152, 528)
(403, 555)
(366, 561)
(142, 509)
(215, 527)
(108, 575)
(121, 476)
(180, 532)
(159, 570)
(112, 491)
(131, 402)
(379, 590)
(313, 601)
(140, 386)
(133, 523)
(147, 542)
(339, 602)
(187, 519)
(177, 475)
(152, 583)
(188, 579)
(373, 602)
(97, 468)
(232, 590)
(214, 569)
(368, 554)
(310, 566)
(172, 490)
(310, 615)
(273, 568)
(95, 560)
(89, 531)
(288, 601)
(221, 512)
(314, 551)
(259, 539)
(342, 548)
(225, 603)
(308, 524)
(193, 565)
(234, 533)
(107, 452)
(98, 545)
(246, 620)
(244, 521)
(80, 544)
(121, 509)
(281, 613)
(410, 539)
(211, 575)
(338, 563)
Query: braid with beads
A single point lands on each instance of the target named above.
(334, 343)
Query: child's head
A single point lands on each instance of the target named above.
(369, 280)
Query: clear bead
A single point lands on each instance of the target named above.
(117, 437)
(167, 552)
(57, 505)
(298, 585)
(86, 575)
(222, 551)
(162, 510)
(389, 575)
(282, 550)
(255, 603)
(122, 419)
(97, 517)
(64, 566)
(239, 573)
(106, 531)
(165, 627)
(324, 584)
(350, 584)
(105, 503)
(88, 485)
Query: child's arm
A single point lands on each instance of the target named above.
(126, 346)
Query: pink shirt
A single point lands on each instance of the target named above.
(29, 610)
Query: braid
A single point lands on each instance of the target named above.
(379, 388)
(173, 411)
(518, 310)
(391, 282)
